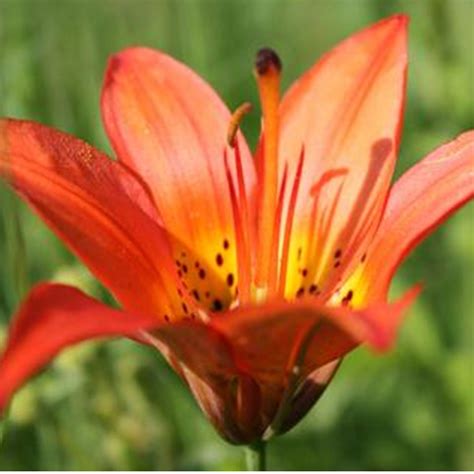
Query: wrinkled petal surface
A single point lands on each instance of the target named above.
(170, 126)
(420, 200)
(52, 318)
(347, 112)
(98, 208)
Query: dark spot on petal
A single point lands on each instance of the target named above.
(183, 254)
(230, 279)
(180, 274)
(225, 244)
(338, 253)
(345, 301)
(178, 263)
(196, 264)
(305, 272)
(185, 268)
(202, 273)
(300, 292)
(180, 293)
(300, 250)
(196, 295)
(185, 308)
(167, 318)
(219, 259)
(207, 294)
(337, 264)
(363, 257)
(313, 289)
(217, 305)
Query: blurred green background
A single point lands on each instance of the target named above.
(116, 405)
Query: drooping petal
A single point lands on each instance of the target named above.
(347, 112)
(420, 200)
(170, 126)
(98, 208)
(52, 318)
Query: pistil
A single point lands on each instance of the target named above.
(240, 207)
(267, 72)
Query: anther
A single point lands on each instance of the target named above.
(235, 120)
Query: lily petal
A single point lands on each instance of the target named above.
(205, 360)
(236, 374)
(347, 113)
(420, 200)
(325, 333)
(52, 318)
(98, 208)
(170, 126)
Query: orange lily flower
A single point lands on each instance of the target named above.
(253, 276)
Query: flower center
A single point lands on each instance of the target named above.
(270, 259)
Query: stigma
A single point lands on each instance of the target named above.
(266, 61)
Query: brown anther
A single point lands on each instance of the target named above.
(235, 121)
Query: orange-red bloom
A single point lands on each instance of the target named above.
(253, 276)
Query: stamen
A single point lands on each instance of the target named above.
(314, 235)
(289, 223)
(242, 249)
(368, 225)
(187, 301)
(267, 71)
(315, 227)
(325, 178)
(276, 236)
(326, 225)
(235, 121)
(244, 207)
(354, 247)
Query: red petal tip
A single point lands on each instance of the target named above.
(384, 340)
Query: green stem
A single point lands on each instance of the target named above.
(255, 456)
